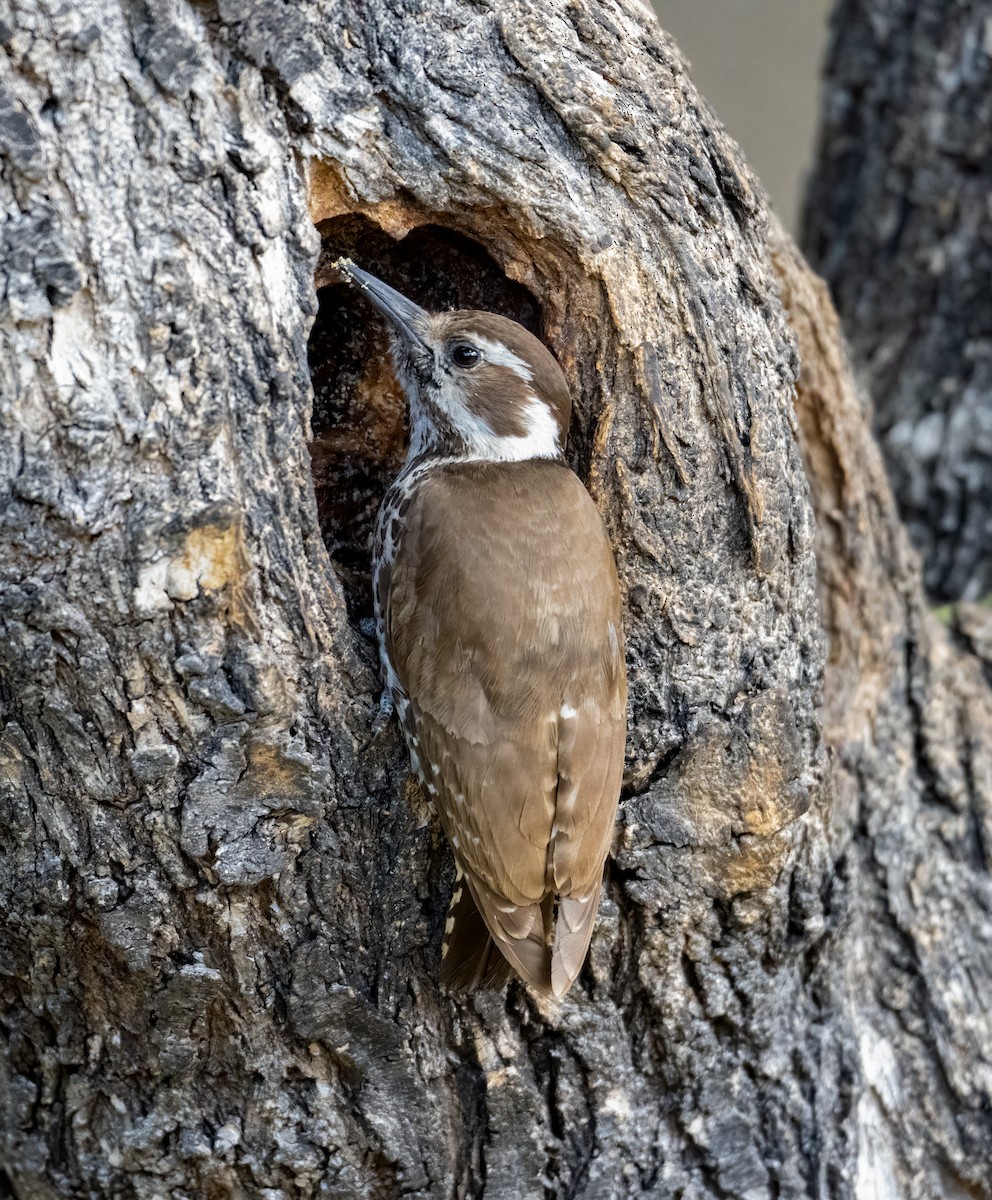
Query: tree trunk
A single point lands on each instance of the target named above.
(898, 222)
(224, 910)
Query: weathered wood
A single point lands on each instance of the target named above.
(908, 720)
(897, 220)
(223, 915)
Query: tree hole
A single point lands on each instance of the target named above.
(359, 415)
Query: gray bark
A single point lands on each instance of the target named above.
(898, 222)
(223, 909)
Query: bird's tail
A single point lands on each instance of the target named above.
(573, 932)
(472, 959)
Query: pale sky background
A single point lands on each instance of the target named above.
(758, 63)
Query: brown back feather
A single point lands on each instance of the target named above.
(502, 620)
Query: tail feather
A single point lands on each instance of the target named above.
(469, 959)
(472, 958)
(573, 932)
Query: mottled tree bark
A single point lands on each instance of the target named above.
(223, 907)
(898, 221)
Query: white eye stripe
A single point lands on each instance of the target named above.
(498, 354)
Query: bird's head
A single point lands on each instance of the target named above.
(479, 385)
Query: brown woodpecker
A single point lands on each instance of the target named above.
(498, 617)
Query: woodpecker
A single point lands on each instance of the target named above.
(498, 616)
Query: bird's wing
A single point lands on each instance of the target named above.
(591, 742)
(494, 632)
(495, 799)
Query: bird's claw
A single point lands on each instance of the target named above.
(383, 715)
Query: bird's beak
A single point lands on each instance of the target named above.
(405, 316)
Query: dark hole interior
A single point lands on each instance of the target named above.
(359, 414)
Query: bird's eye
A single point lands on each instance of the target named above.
(465, 355)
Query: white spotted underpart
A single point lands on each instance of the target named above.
(449, 924)
(388, 531)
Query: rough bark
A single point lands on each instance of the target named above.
(223, 911)
(898, 221)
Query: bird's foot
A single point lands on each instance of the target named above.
(383, 715)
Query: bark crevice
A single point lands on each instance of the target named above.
(225, 915)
